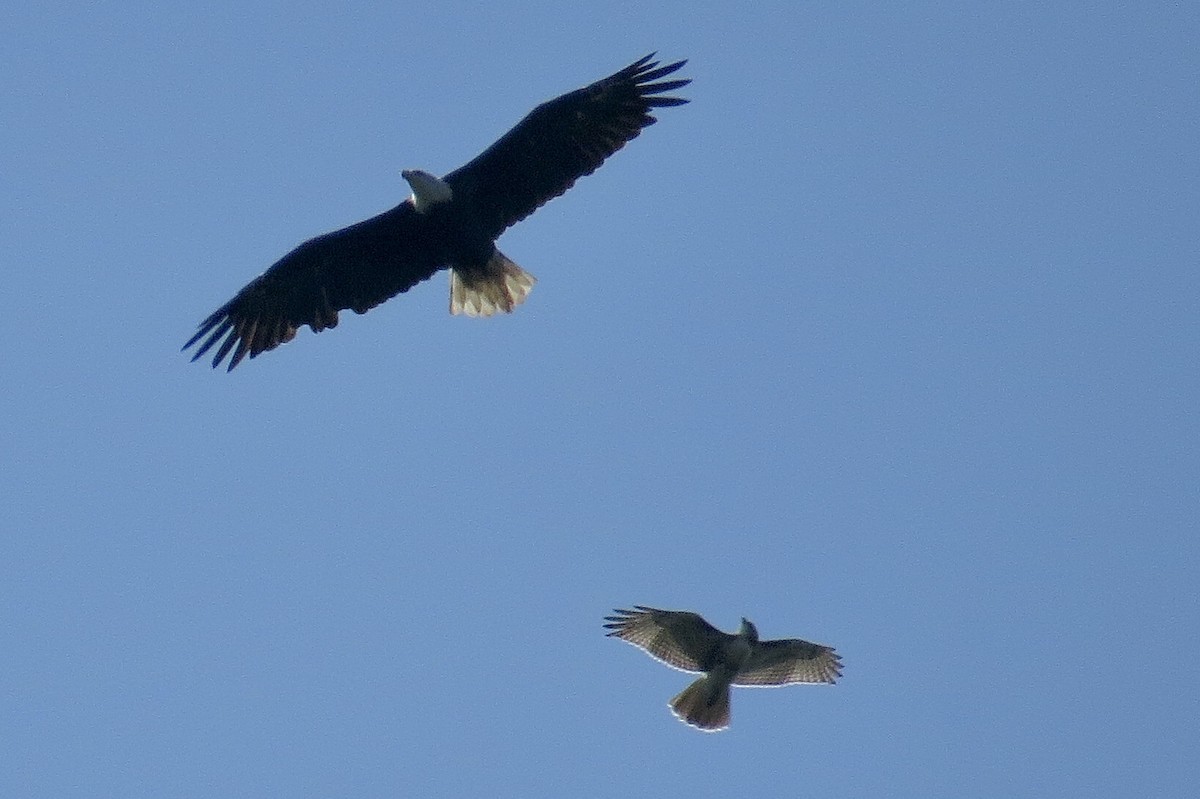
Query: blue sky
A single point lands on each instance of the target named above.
(887, 340)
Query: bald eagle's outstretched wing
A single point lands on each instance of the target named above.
(560, 141)
(355, 268)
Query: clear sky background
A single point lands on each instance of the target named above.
(888, 340)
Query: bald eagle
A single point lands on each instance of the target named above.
(448, 222)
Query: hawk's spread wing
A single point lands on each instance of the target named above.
(678, 638)
(787, 661)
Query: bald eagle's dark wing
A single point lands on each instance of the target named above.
(354, 268)
(559, 142)
(678, 638)
(789, 660)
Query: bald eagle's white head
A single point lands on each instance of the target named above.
(426, 189)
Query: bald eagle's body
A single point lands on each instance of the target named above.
(451, 222)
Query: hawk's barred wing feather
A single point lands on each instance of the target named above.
(677, 638)
(787, 661)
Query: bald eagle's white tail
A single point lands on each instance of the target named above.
(704, 704)
(501, 286)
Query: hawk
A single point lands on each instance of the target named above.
(687, 642)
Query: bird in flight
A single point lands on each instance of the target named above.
(449, 222)
(687, 642)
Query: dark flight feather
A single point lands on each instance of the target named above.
(561, 141)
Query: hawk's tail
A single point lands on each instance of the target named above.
(500, 286)
(704, 704)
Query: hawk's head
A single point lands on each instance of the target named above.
(748, 631)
